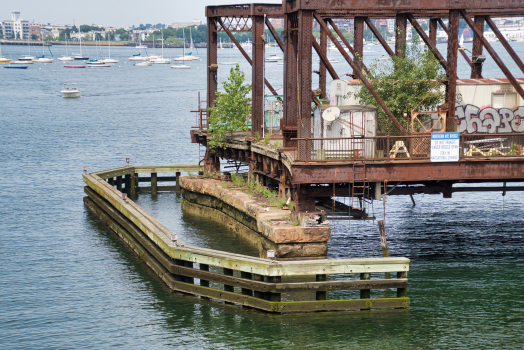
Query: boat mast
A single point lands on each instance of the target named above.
(184, 35)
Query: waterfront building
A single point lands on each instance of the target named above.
(16, 27)
(36, 30)
(193, 23)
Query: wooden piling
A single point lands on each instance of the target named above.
(383, 243)
(248, 276)
(154, 184)
(132, 185)
(258, 294)
(189, 279)
(365, 293)
(402, 292)
(204, 267)
(227, 288)
(119, 183)
(178, 187)
(274, 296)
(321, 295)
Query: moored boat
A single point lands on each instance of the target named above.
(71, 90)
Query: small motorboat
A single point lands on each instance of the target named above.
(71, 90)
(74, 66)
(80, 58)
(43, 60)
(143, 64)
(109, 60)
(98, 64)
(66, 58)
(22, 62)
(26, 58)
(16, 67)
(181, 66)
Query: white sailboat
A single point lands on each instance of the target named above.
(182, 65)
(43, 59)
(161, 60)
(230, 62)
(2, 58)
(66, 57)
(192, 46)
(220, 46)
(109, 59)
(184, 57)
(138, 56)
(272, 57)
(154, 55)
(461, 43)
(80, 57)
(28, 57)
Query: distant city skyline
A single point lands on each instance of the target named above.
(114, 14)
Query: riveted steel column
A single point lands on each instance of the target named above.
(290, 72)
(305, 28)
(433, 30)
(451, 71)
(476, 68)
(322, 66)
(257, 82)
(212, 80)
(359, 41)
(400, 35)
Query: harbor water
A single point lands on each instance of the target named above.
(68, 282)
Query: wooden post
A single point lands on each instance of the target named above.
(119, 183)
(257, 294)
(204, 267)
(132, 185)
(274, 296)
(383, 243)
(154, 183)
(322, 295)
(248, 276)
(402, 292)
(227, 288)
(365, 293)
(179, 277)
(111, 181)
(177, 188)
(189, 279)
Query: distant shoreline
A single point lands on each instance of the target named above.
(149, 44)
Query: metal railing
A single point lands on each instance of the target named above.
(394, 148)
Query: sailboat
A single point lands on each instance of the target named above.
(184, 57)
(161, 59)
(109, 59)
(80, 57)
(28, 57)
(66, 57)
(274, 57)
(230, 62)
(3, 59)
(182, 66)
(192, 46)
(220, 46)
(43, 59)
(154, 55)
(140, 46)
(461, 43)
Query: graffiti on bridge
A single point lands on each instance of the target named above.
(472, 120)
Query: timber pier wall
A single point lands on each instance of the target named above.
(264, 284)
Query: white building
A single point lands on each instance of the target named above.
(193, 23)
(391, 25)
(16, 27)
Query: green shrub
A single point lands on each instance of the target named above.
(295, 222)
(266, 140)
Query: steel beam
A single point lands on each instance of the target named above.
(451, 69)
(412, 171)
(257, 75)
(325, 61)
(494, 55)
(476, 68)
(360, 75)
(245, 10)
(505, 43)
(400, 35)
(358, 42)
(433, 22)
(379, 36)
(428, 41)
(275, 34)
(290, 73)
(243, 52)
(322, 64)
(445, 28)
(305, 36)
(212, 66)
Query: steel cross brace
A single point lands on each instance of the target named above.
(428, 42)
(379, 36)
(324, 59)
(232, 37)
(493, 54)
(445, 28)
(359, 73)
(505, 43)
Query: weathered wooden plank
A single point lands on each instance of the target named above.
(349, 304)
(159, 234)
(105, 174)
(148, 169)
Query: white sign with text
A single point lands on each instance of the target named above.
(445, 146)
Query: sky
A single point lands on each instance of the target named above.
(114, 13)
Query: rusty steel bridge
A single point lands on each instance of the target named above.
(311, 178)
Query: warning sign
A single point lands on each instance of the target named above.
(445, 146)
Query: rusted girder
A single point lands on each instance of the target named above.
(324, 59)
(359, 74)
(257, 76)
(494, 55)
(245, 10)
(358, 42)
(275, 34)
(243, 52)
(432, 47)
(505, 43)
(451, 69)
(433, 23)
(412, 171)
(400, 34)
(476, 50)
(322, 67)
(379, 37)
(445, 28)
(212, 66)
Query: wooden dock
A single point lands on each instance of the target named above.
(233, 278)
